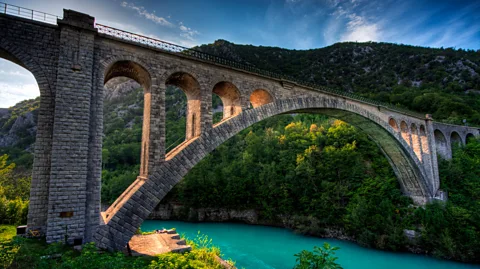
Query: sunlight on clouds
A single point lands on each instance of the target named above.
(358, 29)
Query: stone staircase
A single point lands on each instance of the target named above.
(157, 243)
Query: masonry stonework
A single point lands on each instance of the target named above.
(72, 61)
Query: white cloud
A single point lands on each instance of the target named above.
(187, 32)
(16, 84)
(10, 94)
(148, 15)
(359, 29)
(363, 33)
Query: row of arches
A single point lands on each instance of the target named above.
(417, 139)
(231, 97)
(446, 144)
(414, 136)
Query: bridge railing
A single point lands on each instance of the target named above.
(170, 47)
(163, 45)
(27, 13)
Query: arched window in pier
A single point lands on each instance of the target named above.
(405, 133)
(416, 141)
(126, 126)
(192, 113)
(260, 97)
(230, 99)
(393, 123)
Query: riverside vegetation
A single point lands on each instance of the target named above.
(321, 172)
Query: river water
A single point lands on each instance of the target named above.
(261, 247)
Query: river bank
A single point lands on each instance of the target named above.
(264, 247)
(304, 225)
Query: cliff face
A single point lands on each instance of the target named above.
(18, 124)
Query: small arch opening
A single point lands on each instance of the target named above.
(260, 97)
(441, 144)
(191, 88)
(455, 139)
(393, 123)
(424, 141)
(469, 138)
(126, 127)
(416, 141)
(230, 98)
(404, 131)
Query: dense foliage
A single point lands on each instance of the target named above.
(320, 258)
(14, 192)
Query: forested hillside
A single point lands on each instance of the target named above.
(442, 82)
(321, 173)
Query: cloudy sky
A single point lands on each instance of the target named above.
(293, 24)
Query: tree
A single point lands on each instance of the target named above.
(320, 258)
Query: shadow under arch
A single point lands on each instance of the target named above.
(406, 166)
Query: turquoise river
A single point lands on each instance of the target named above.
(260, 247)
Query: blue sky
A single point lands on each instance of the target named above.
(293, 24)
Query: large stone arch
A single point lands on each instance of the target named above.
(19, 56)
(38, 207)
(142, 197)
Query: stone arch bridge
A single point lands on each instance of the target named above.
(72, 58)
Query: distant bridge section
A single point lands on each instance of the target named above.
(74, 58)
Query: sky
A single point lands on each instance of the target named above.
(292, 24)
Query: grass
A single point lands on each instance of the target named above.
(17, 252)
